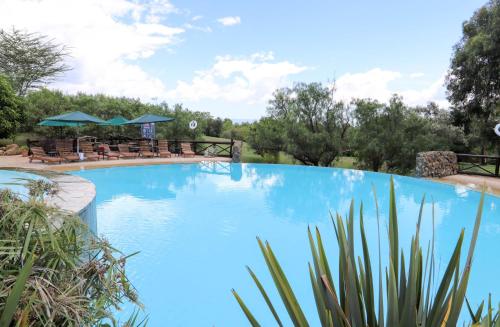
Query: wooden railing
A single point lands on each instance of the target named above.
(477, 164)
(211, 148)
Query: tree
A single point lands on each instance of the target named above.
(314, 124)
(473, 81)
(10, 110)
(266, 137)
(214, 127)
(30, 60)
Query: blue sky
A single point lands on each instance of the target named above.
(227, 57)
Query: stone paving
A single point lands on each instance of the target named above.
(23, 162)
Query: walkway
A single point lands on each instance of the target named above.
(23, 162)
(476, 182)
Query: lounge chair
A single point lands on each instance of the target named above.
(88, 151)
(186, 150)
(37, 153)
(145, 150)
(65, 150)
(108, 153)
(163, 151)
(125, 152)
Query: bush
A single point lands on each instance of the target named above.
(409, 299)
(53, 270)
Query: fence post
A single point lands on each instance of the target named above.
(231, 148)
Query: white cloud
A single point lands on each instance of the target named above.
(104, 37)
(196, 18)
(250, 79)
(230, 20)
(378, 84)
(416, 75)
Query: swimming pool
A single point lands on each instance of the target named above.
(196, 224)
(16, 180)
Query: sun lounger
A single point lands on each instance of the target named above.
(37, 153)
(186, 150)
(163, 151)
(108, 153)
(145, 150)
(65, 150)
(125, 152)
(88, 151)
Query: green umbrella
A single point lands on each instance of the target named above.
(115, 121)
(53, 123)
(76, 117)
(147, 119)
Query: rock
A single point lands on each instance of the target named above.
(237, 152)
(12, 149)
(436, 164)
(1, 152)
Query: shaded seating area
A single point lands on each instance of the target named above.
(112, 147)
(64, 149)
(125, 153)
(163, 151)
(38, 153)
(88, 151)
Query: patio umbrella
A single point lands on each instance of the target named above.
(148, 119)
(76, 117)
(115, 121)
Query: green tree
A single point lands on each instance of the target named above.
(10, 109)
(314, 124)
(266, 137)
(473, 81)
(30, 60)
(367, 140)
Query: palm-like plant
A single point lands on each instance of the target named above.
(54, 271)
(408, 295)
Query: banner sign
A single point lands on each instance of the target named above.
(148, 130)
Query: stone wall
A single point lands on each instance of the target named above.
(436, 164)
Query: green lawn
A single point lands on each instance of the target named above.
(467, 167)
(248, 155)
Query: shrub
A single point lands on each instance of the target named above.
(53, 270)
(409, 298)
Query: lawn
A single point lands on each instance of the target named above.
(248, 155)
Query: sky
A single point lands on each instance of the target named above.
(227, 57)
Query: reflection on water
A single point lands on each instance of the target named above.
(195, 226)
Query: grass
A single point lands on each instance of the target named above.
(20, 138)
(468, 167)
(248, 155)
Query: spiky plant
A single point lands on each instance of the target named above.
(53, 270)
(490, 319)
(409, 281)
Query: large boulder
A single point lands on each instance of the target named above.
(436, 164)
(12, 149)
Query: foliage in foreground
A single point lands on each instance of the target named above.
(410, 279)
(53, 270)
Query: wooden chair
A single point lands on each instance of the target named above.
(145, 150)
(186, 150)
(163, 151)
(65, 150)
(38, 153)
(125, 153)
(108, 153)
(88, 151)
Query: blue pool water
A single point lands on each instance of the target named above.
(15, 180)
(196, 228)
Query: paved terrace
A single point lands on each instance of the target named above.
(23, 162)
